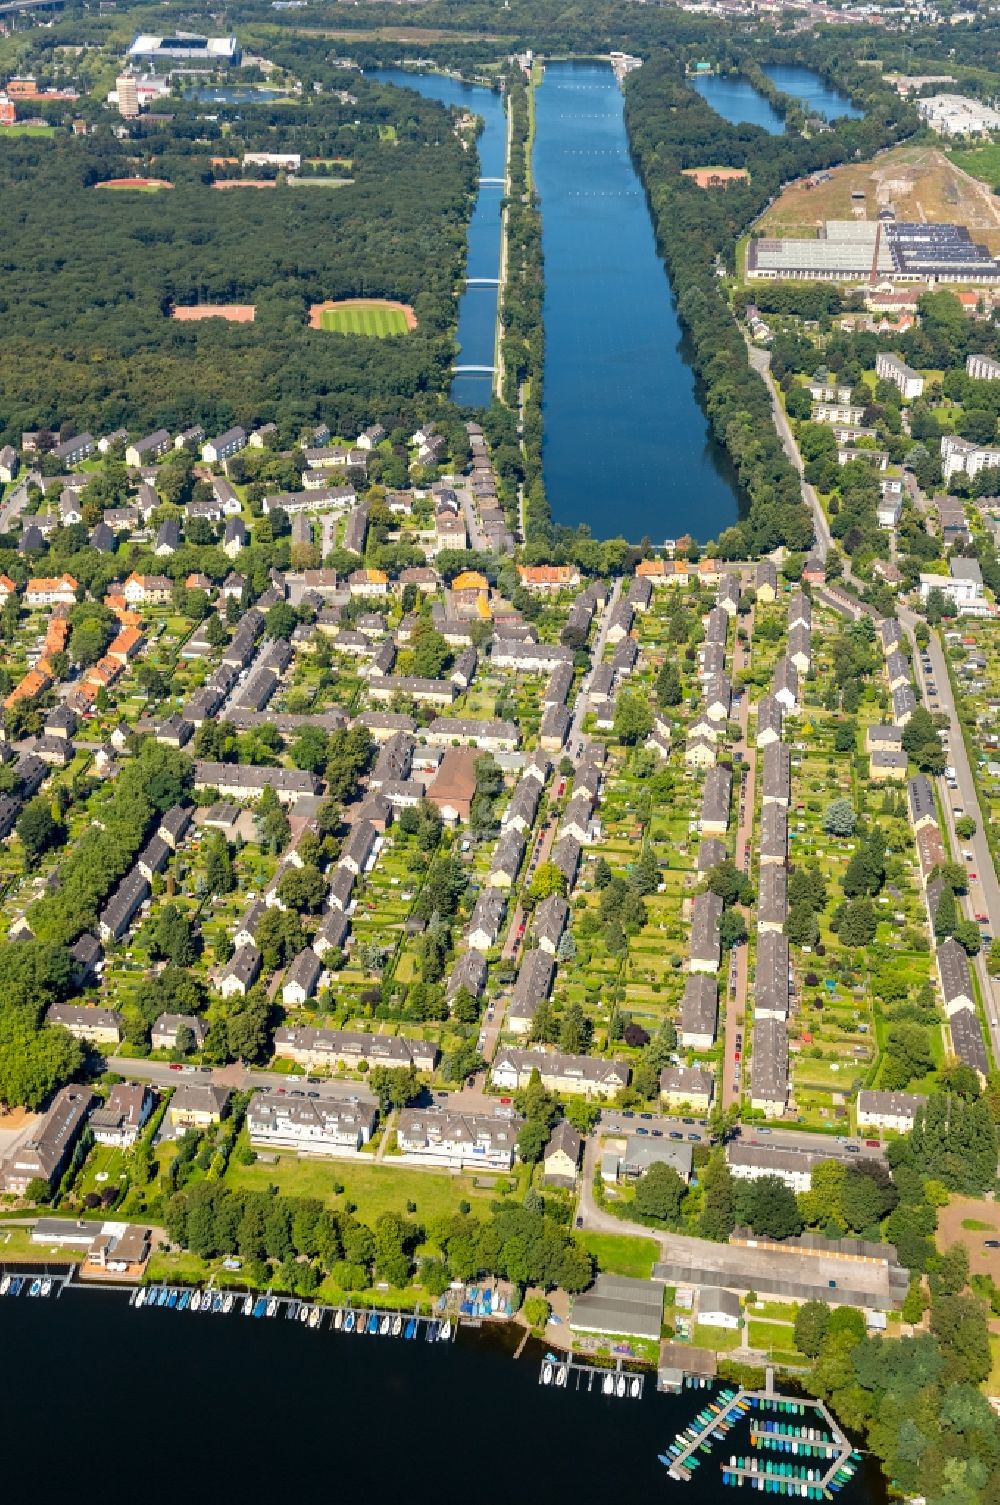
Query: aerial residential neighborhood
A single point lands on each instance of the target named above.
(500, 728)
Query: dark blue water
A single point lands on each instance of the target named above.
(240, 1410)
(812, 90)
(477, 309)
(627, 447)
(736, 100)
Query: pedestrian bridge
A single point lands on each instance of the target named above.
(473, 370)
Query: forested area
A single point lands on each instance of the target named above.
(87, 278)
(671, 128)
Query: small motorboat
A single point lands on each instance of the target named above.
(162, 1296)
(373, 1323)
(338, 1318)
(183, 1302)
(140, 1296)
(248, 1306)
(385, 1325)
(46, 1286)
(217, 1302)
(349, 1322)
(227, 1303)
(272, 1306)
(397, 1325)
(433, 1328)
(260, 1307)
(445, 1332)
(4, 1285)
(303, 1313)
(609, 1384)
(172, 1299)
(362, 1326)
(35, 1287)
(620, 1386)
(547, 1374)
(411, 1328)
(314, 1317)
(561, 1374)
(15, 1289)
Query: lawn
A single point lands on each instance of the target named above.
(373, 1188)
(28, 130)
(771, 1335)
(378, 320)
(619, 1254)
(981, 162)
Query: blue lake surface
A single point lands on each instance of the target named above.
(815, 92)
(627, 447)
(736, 100)
(477, 309)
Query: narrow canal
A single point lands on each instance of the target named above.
(627, 448)
(477, 310)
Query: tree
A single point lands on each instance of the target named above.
(429, 652)
(718, 1207)
(173, 937)
(669, 691)
(633, 718)
(220, 877)
(281, 620)
(37, 830)
(965, 827)
(548, 880)
(271, 822)
(856, 922)
(302, 888)
(811, 1323)
(946, 914)
(967, 935)
(536, 1313)
(840, 818)
(532, 1139)
(918, 731)
(770, 1208)
(659, 1193)
(732, 929)
(311, 749)
(801, 926)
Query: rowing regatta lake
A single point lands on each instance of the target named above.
(176, 1406)
(627, 447)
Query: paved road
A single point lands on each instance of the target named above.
(738, 965)
(760, 360)
(984, 889)
(575, 740)
(16, 500)
(239, 1077)
(477, 538)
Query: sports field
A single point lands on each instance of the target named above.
(376, 317)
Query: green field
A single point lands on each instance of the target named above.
(982, 162)
(377, 320)
(27, 130)
(373, 1189)
(620, 1254)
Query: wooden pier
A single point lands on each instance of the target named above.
(564, 1372)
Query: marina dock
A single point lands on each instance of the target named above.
(563, 1372)
(363, 1320)
(38, 1281)
(824, 1457)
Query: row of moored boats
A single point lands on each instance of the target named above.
(345, 1319)
(13, 1285)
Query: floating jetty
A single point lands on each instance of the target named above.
(366, 1321)
(37, 1283)
(563, 1372)
(772, 1431)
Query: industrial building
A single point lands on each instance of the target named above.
(956, 115)
(863, 250)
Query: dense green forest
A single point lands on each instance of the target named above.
(87, 277)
